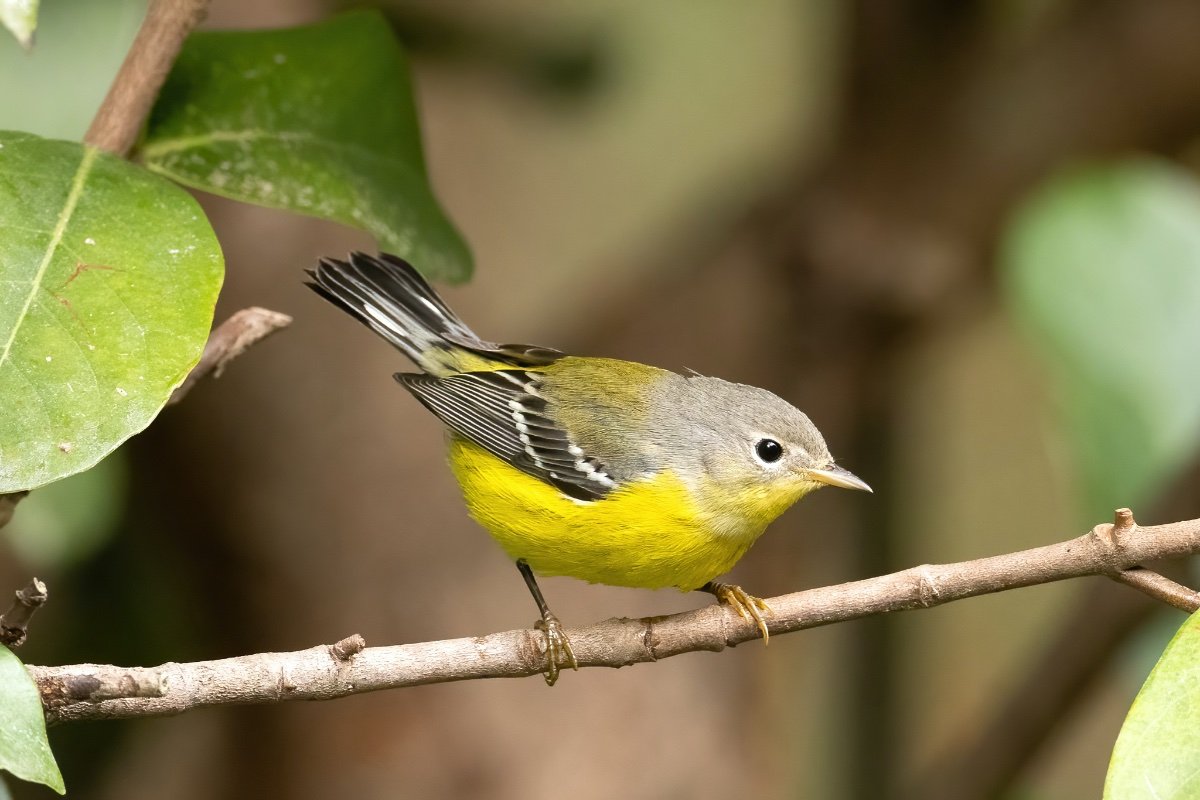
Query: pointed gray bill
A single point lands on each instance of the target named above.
(836, 476)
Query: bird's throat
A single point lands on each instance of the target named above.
(744, 512)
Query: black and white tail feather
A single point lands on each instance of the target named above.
(389, 296)
(488, 393)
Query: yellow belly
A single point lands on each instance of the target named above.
(646, 534)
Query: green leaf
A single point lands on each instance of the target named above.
(108, 277)
(20, 17)
(319, 120)
(24, 750)
(1103, 268)
(1157, 754)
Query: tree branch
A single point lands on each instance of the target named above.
(168, 22)
(14, 623)
(228, 341)
(327, 672)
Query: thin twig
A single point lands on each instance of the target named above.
(228, 341)
(1160, 587)
(168, 22)
(14, 623)
(320, 673)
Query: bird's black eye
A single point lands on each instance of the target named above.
(769, 450)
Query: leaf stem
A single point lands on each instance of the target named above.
(117, 123)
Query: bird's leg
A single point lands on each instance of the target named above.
(747, 606)
(558, 646)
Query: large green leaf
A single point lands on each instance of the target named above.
(1157, 755)
(108, 277)
(319, 120)
(1103, 267)
(20, 17)
(24, 750)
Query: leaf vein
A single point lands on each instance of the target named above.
(60, 227)
(167, 147)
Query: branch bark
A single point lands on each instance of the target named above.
(331, 671)
(228, 341)
(1160, 587)
(117, 123)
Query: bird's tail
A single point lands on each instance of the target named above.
(390, 297)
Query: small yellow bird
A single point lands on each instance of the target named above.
(608, 471)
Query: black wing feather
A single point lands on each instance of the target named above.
(503, 413)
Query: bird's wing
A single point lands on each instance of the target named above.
(503, 412)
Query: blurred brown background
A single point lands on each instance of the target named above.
(800, 195)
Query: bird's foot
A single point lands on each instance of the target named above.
(558, 647)
(748, 607)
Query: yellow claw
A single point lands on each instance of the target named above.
(748, 607)
(558, 647)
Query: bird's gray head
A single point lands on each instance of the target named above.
(753, 444)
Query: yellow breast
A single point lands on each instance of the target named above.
(647, 534)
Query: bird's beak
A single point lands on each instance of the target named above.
(836, 476)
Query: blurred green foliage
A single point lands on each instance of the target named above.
(54, 89)
(68, 521)
(1102, 266)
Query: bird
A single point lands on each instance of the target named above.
(608, 471)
